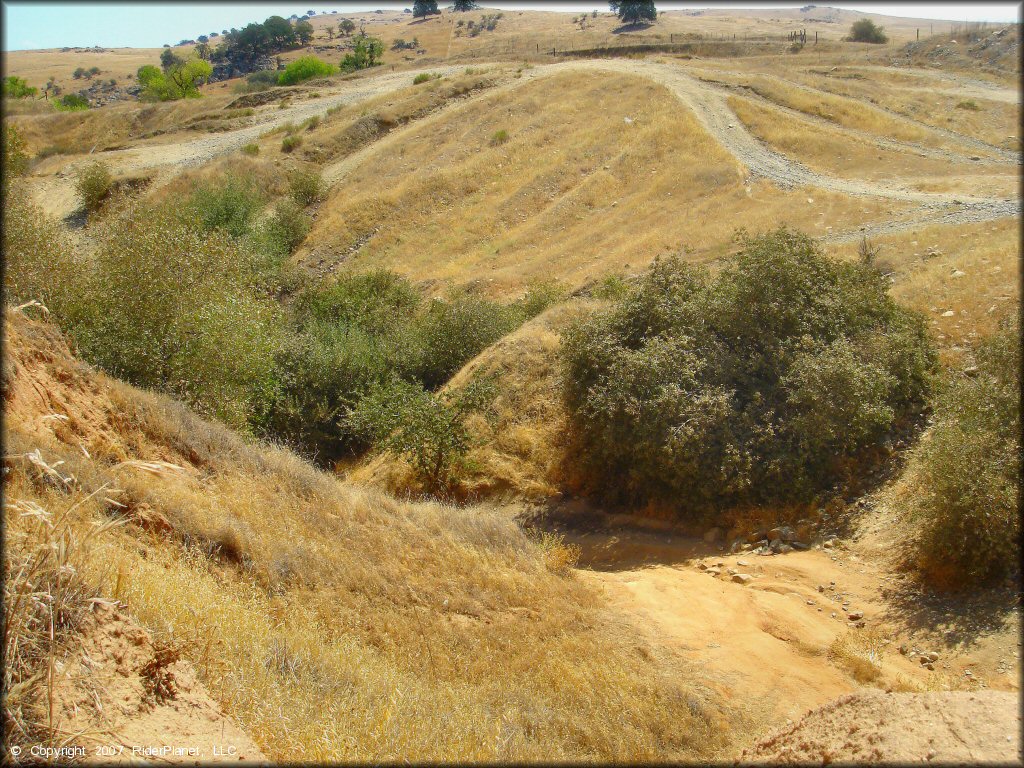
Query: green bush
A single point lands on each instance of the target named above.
(427, 429)
(969, 105)
(93, 183)
(366, 52)
(169, 306)
(229, 203)
(17, 88)
(286, 227)
(452, 332)
(770, 383)
(499, 137)
(290, 143)
(252, 148)
(968, 470)
(305, 68)
(306, 186)
(866, 31)
(71, 102)
(39, 262)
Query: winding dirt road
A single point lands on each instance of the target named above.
(707, 102)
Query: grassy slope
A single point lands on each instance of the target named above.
(335, 623)
(575, 193)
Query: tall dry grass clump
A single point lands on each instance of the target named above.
(334, 623)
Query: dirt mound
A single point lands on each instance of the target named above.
(138, 700)
(997, 51)
(952, 726)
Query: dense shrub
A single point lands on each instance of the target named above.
(17, 88)
(39, 262)
(451, 332)
(170, 306)
(306, 186)
(866, 31)
(179, 79)
(71, 102)
(427, 429)
(282, 232)
(969, 470)
(93, 183)
(229, 203)
(305, 68)
(291, 143)
(366, 52)
(770, 383)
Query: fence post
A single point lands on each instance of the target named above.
(815, 37)
(919, 34)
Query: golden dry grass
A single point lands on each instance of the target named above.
(988, 255)
(848, 157)
(335, 623)
(575, 193)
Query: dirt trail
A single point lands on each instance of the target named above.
(893, 145)
(710, 107)
(707, 102)
(783, 643)
(56, 193)
(952, 83)
(948, 727)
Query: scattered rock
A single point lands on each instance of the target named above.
(855, 615)
(741, 578)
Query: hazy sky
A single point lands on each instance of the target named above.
(150, 25)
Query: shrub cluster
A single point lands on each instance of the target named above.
(93, 183)
(969, 470)
(769, 383)
(305, 68)
(866, 31)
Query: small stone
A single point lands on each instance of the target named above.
(948, 313)
(712, 572)
(904, 649)
(741, 578)
(702, 566)
(855, 615)
(742, 562)
(933, 656)
(821, 587)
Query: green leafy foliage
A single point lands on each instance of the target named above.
(866, 31)
(306, 186)
(426, 428)
(71, 102)
(229, 203)
(179, 78)
(769, 383)
(634, 11)
(969, 467)
(17, 88)
(305, 68)
(366, 52)
(93, 183)
(423, 8)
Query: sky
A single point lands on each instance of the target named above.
(150, 25)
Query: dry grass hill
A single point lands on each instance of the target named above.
(169, 574)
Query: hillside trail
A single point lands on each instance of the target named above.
(883, 142)
(952, 83)
(783, 643)
(707, 103)
(710, 107)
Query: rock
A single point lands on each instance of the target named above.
(948, 313)
(932, 656)
(800, 545)
(731, 571)
(783, 532)
(756, 536)
(712, 572)
(904, 649)
(775, 546)
(742, 563)
(702, 566)
(821, 587)
(828, 544)
(975, 157)
(784, 549)
(741, 578)
(713, 534)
